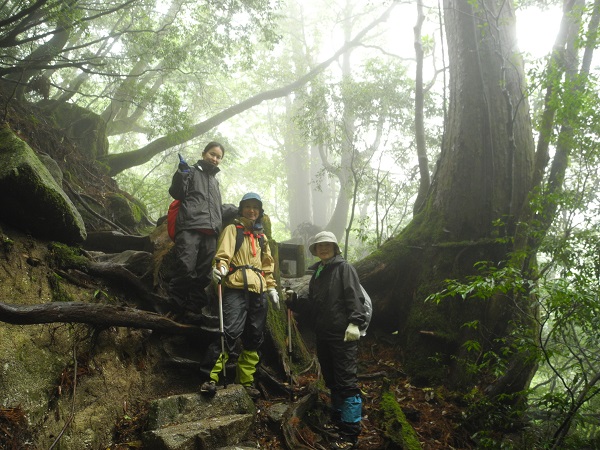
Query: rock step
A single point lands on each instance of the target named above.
(184, 408)
(204, 434)
(197, 422)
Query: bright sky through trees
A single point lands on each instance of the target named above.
(536, 30)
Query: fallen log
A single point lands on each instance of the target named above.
(97, 315)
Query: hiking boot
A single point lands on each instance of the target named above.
(208, 388)
(252, 391)
(345, 443)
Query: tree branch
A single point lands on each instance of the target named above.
(122, 161)
(95, 314)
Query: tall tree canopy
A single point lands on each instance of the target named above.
(461, 283)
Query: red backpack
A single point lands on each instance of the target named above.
(172, 218)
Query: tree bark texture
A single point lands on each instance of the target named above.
(482, 177)
(485, 167)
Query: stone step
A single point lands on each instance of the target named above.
(211, 433)
(185, 408)
(199, 422)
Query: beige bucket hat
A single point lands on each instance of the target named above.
(324, 236)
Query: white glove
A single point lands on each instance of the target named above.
(272, 292)
(218, 273)
(352, 333)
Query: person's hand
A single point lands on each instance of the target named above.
(272, 292)
(183, 166)
(352, 333)
(218, 273)
(290, 298)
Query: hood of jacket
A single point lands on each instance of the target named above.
(205, 166)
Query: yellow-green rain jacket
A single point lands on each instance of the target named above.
(250, 255)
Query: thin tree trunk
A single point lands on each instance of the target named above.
(424, 180)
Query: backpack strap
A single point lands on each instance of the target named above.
(233, 268)
(239, 239)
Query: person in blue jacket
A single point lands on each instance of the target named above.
(335, 304)
(197, 228)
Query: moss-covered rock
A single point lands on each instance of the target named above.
(66, 257)
(396, 427)
(31, 200)
(125, 210)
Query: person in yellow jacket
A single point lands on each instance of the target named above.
(246, 274)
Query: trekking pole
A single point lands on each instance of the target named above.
(289, 320)
(222, 331)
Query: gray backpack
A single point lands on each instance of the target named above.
(369, 311)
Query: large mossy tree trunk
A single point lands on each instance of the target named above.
(482, 179)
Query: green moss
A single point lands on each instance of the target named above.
(68, 176)
(137, 213)
(395, 425)
(32, 358)
(102, 167)
(56, 289)
(25, 180)
(266, 221)
(66, 257)
(126, 209)
(277, 327)
(138, 209)
(432, 334)
(426, 228)
(277, 324)
(7, 244)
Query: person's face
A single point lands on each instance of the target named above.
(251, 209)
(325, 250)
(213, 155)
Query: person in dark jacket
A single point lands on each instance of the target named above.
(335, 303)
(197, 228)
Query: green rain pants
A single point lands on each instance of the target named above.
(244, 371)
(246, 367)
(218, 367)
(244, 317)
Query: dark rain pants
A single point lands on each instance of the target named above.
(244, 317)
(195, 252)
(338, 360)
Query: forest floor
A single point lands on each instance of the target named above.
(435, 418)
